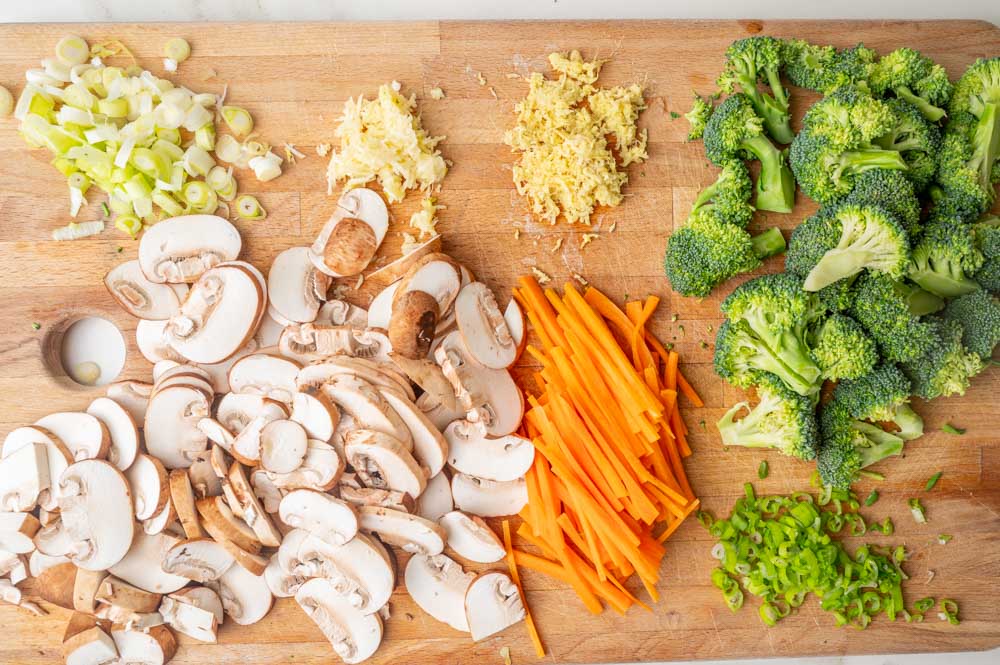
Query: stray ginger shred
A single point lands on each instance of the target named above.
(540, 276)
(587, 238)
(425, 219)
(557, 245)
(436, 93)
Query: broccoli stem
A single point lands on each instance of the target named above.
(929, 111)
(886, 445)
(986, 145)
(746, 431)
(768, 243)
(775, 184)
(911, 425)
(921, 303)
(857, 162)
(944, 279)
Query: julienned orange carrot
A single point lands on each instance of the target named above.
(610, 443)
(516, 577)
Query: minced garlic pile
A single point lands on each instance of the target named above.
(382, 139)
(566, 165)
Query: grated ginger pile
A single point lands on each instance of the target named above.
(566, 165)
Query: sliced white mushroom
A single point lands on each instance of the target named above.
(162, 367)
(353, 635)
(171, 426)
(25, 471)
(235, 411)
(217, 433)
(122, 429)
(281, 583)
(198, 559)
(488, 498)
(308, 342)
(85, 436)
(265, 374)
(153, 342)
(321, 469)
(492, 603)
(133, 396)
(204, 480)
(245, 597)
(138, 296)
(436, 274)
(203, 597)
(383, 462)
(191, 619)
(147, 479)
(369, 496)
(412, 324)
(154, 646)
(181, 249)
(183, 500)
(141, 566)
(438, 585)
(162, 520)
(39, 562)
(394, 271)
(218, 519)
(14, 567)
(474, 453)
(439, 414)
(54, 540)
(92, 646)
(283, 446)
(316, 413)
(341, 313)
(472, 538)
(325, 517)
(270, 330)
(483, 327)
(374, 372)
(113, 591)
(349, 239)
(430, 448)
(250, 507)
(366, 405)
(218, 373)
(95, 507)
(266, 491)
(295, 287)
(436, 499)
(428, 375)
(514, 317)
(380, 309)
(219, 315)
(247, 444)
(411, 533)
(17, 531)
(489, 395)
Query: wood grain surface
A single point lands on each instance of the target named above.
(294, 78)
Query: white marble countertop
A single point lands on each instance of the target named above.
(353, 10)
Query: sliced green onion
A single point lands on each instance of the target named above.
(762, 470)
(222, 181)
(917, 510)
(238, 120)
(79, 181)
(923, 604)
(872, 498)
(200, 197)
(204, 137)
(267, 167)
(248, 207)
(932, 481)
(171, 136)
(873, 475)
(6, 101)
(255, 148)
(951, 429)
(167, 203)
(177, 49)
(949, 611)
(130, 224)
(72, 50)
(887, 526)
(944, 538)
(104, 209)
(197, 161)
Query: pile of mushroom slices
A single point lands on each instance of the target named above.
(280, 449)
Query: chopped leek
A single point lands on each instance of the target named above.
(917, 510)
(74, 231)
(248, 207)
(130, 224)
(6, 101)
(72, 50)
(197, 161)
(200, 197)
(177, 49)
(230, 150)
(222, 181)
(932, 481)
(943, 538)
(238, 120)
(267, 167)
(204, 137)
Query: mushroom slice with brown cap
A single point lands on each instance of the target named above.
(86, 585)
(161, 521)
(141, 566)
(295, 287)
(514, 317)
(325, 517)
(204, 480)
(92, 646)
(149, 483)
(171, 426)
(38, 563)
(436, 499)
(440, 415)
(281, 583)
(113, 591)
(219, 315)
(250, 507)
(308, 342)
(96, 510)
(341, 313)
(438, 585)
(471, 538)
(436, 274)
(235, 411)
(380, 309)
(270, 329)
(133, 396)
(321, 469)
(354, 636)
(160, 368)
(266, 491)
(218, 519)
(182, 249)
(245, 597)
(428, 375)
(412, 324)
(191, 619)
(24, 473)
(283, 446)
(138, 296)
(122, 429)
(489, 395)
(366, 405)
(265, 374)
(153, 646)
(246, 445)
(349, 239)
(198, 559)
(492, 603)
(472, 452)
(55, 584)
(488, 498)
(410, 533)
(394, 271)
(483, 327)
(316, 413)
(377, 373)
(182, 498)
(368, 496)
(17, 531)
(154, 345)
(53, 539)
(85, 436)
(218, 373)
(57, 458)
(382, 462)
(429, 446)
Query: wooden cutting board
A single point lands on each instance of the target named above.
(294, 79)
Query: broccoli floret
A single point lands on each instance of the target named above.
(728, 198)
(946, 367)
(809, 65)
(843, 241)
(944, 258)
(910, 75)
(706, 252)
(979, 315)
(854, 65)
(964, 192)
(839, 296)
(750, 61)
(987, 235)
(882, 396)
(698, 116)
(849, 116)
(783, 419)
(885, 308)
(892, 191)
(842, 349)
(735, 131)
(850, 445)
(917, 139)
(768, 319)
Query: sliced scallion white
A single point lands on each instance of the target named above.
(266, 167)
(248, 207)
(72, 50)
(238, 120)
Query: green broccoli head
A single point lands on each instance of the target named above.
(854, 66)
(987, 234)
(809, 65)
(735, 131)
(975, 115)
(842, 349)
(837, 297)
(698, 116)
(849, 116)
(749, 62)
(911, 76)
(707, 251)
(964, 192)
(849, 445)
(884, 308)
(890, 190)
(946, 367)
(741, 355)
(842, 241)
(917, 139)
(783, 419)
(944, 259)
(882, 396)
(979, 315)
(728, 198)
